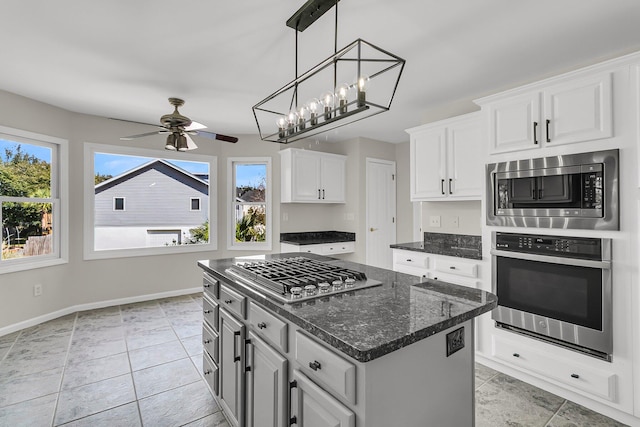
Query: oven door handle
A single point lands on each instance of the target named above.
(604, 265)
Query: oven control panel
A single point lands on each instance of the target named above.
(572, 247)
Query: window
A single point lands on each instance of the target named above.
(135, 202)
(250, 203)
(33, 205)
(118, 203)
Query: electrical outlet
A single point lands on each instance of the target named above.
(455, 222)
(455, 341)
(37, 290)
(434, 221)
(285, 216)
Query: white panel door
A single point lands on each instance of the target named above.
(332, 173)
(231, 367)
(427, 157)
(317, 408)
(514, 123)
(266, 386)
(381, 212)
(306, 176)
(579, 110)
(465, 169)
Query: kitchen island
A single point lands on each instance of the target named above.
(398, 353)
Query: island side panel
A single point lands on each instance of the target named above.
(419, 386)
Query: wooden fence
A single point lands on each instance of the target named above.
(38, 245)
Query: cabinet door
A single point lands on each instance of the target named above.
(306, 177)
(317, 408)
(514, 123)
(464, 169)
(231, 377)
(578, 110)
(266, 385)
(332, 173)
(427, 166)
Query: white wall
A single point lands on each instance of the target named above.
(469, 214)
(85, 282)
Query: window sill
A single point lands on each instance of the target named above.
(31, 265)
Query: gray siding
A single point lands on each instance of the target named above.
(155, 196)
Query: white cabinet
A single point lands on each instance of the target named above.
(327, 249)
(231, 376)
(267, 399)
(317, 408)
(460, 271)
(312, 177)
(570, 111)
(444, 160)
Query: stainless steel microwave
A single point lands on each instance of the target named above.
(574, 191)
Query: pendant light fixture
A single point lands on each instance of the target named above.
(354, 83)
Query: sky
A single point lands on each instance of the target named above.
(115, 164)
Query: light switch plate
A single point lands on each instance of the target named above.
(434, 221)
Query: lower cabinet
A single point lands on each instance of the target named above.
(266, 379)
(231, 386)
(316, 408)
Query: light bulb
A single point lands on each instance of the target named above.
(327, 101)
(292, 119)
(303, 115)
(341, 93)
(282, 125)
(362, 86)
(313, 105)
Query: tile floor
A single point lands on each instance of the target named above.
(140, 364)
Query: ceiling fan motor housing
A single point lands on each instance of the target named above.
(175, 119)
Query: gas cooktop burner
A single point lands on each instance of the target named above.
(300, 278)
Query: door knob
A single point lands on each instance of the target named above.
(372, 229)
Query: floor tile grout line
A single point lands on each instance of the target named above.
(133, 382)
(11, 346)
(556, 412)
(64, 369)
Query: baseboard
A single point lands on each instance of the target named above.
(92, 306)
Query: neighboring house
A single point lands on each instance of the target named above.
(155, 204)
(250, 195)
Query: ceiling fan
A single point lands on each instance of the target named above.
(179, 128)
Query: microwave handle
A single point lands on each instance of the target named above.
(604, 265)
(530, 173)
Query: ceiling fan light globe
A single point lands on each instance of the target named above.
(182, 143)
(171, 142)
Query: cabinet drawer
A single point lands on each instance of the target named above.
(328, 368)
(338, 248)
(210, 373)
(233, 301)
(211, 286)
(269, 326)
(591, 380)
(460, 268)
(210, 312)
(210, 342)
(411, 259)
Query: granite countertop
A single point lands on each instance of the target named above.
(369, 323)
(317, 237)
(455, 245)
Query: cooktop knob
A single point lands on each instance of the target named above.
(337, 285)
(324, 287)
(296, 292)
(310, 290)
(350, 283)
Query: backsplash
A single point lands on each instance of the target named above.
(460, 245)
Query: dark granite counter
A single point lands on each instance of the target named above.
(369, 323)
(455, 245)
(317, 237)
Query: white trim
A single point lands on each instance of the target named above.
(89, 201)
(59, 195)
(232, 245)
(92, 306)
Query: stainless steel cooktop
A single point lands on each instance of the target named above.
(299, 278)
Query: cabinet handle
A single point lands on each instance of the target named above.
(228, 301)
(323, 194)
(207, 311)
(535, 134)
(262, 325)
(293, 384)
(451, 267)
(206, 342)
(318, 194)
(207, 285)
(207, 372)
(516, 354)
(315, 365)
(576, 376)
(548, 139)
(409, 260)
(442, 186)
(450, 192)
(236, 357)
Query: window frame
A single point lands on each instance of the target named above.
(89, 252)
(191, 199)
(115, 204)
(59, 199)
(231, 204)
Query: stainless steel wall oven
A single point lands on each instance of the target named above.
(576, 191)
(555, 288)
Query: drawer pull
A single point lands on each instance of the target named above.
(228, 301)
(452, 267)
(576, 376)
(516, 354)
(206, 342)
(207, 285)
(262, 325)
(409, 260)
(207, 372)
(207, 311)
(315, 365)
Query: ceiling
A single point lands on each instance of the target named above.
(124, 58)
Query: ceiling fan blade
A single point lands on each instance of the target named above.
(190, 144)
(131, 121)
(128, 138)
(212, 135)
(195, 126)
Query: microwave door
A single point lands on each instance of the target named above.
(558, 188)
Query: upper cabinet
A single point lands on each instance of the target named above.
(312, 177)
(444, 159)
(573, 110)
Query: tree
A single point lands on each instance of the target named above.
(101, 178)
(200, 234)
